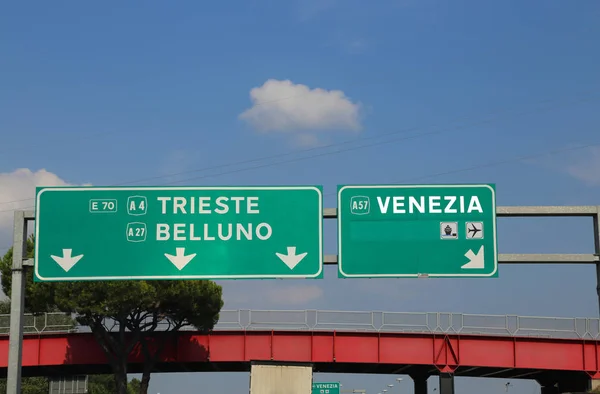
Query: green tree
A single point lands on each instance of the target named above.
(97, 384)
(33, 385)
(113, 309)
(134, 386)
(105, 384)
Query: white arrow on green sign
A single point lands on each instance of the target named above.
(326, 388)
(128, 233)
(403, 231)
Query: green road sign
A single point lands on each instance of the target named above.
(326, 388)
(106, 233)
(417, 230)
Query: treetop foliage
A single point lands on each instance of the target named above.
(176, 303)
(140, 307)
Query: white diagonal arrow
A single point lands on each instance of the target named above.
(67, 261)
(180, 260)
(475, 260)
(291, 259)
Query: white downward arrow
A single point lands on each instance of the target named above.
(291, 259)
(475, 260)
(67, 261)
(180, 260)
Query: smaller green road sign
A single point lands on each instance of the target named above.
(408, 231)
(326, 388)
(110, 233)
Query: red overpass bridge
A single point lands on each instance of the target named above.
(563, 351)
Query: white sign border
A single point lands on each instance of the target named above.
(457, 186)
(176, 277)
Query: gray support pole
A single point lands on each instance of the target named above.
(17, 303)
(446, 383)
(597, 250)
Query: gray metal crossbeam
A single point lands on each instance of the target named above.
(540, 211)
(20, 264)
(538, 258)
(505, 211)
(522, 211)
(533, 258)
(526, 211)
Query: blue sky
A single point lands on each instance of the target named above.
(108, 93)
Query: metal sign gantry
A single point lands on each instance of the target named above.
(20, 264)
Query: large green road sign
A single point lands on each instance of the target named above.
(326, 388)
(417, 230)
(105, 233)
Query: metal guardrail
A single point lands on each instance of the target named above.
(317, 320)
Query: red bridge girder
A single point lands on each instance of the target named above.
(469, 355)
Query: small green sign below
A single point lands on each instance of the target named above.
(326, 388)
(110, 233)
(397, 231)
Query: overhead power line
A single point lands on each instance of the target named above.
(323, 154)
(393, 140)
(362, 146)
(105, 133)
(464, 169)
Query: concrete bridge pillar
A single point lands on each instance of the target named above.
(447, 383)
(272, 378)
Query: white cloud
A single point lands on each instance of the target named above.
(587, 167)
(282, 106)
(307, 140)
(17, 191)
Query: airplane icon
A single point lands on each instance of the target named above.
(473, 228)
